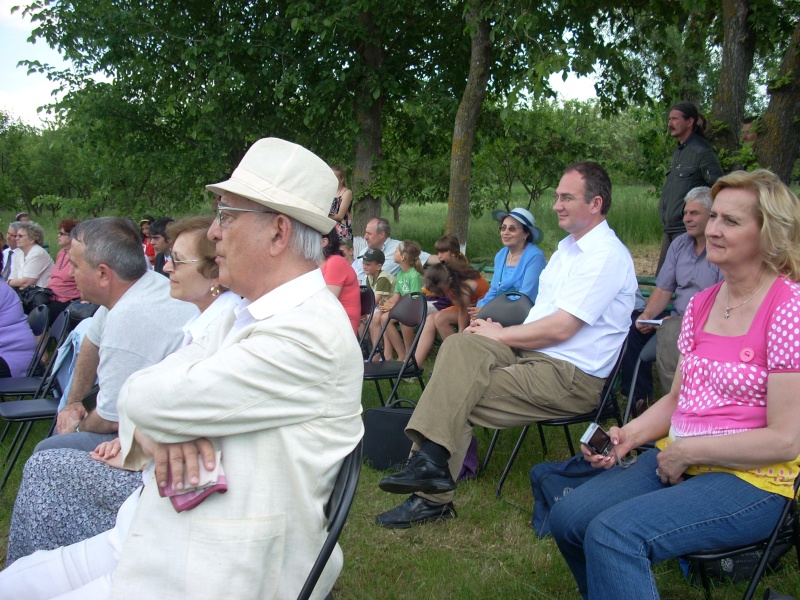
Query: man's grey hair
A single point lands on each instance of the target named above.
(382, 226)
(112, 241)
(306, 242)
(34, 230)
(701, 195)
(14, 226)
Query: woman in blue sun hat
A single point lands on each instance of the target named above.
(519, 262)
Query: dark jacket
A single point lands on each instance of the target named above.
(694, 163)
(158, 264)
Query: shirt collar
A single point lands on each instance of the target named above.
(599, 230)
(287, 296)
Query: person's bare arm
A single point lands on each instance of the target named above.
(656, 303)
(22, 282)
(83, 379)
(335, 290)
(542, 333)
(94, 423)
(347, 199)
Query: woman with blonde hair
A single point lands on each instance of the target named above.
(727, 432)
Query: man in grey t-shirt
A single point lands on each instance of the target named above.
(137, 326)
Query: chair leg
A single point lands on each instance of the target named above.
(569, 441)
(510, 463)
(541, 439)
(755, 578)
(489, 451)
(380, 393)
(17, 451)
(704, 580)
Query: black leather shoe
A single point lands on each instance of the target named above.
(415, 511)
(420, 474)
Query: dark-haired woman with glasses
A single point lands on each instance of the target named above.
(519, 262)
(61, 280)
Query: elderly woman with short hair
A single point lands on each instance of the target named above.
(36, 262)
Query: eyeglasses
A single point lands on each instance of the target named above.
(563, 198)
(175, 261)
(62, 233)
(224, 219)
(510, 228)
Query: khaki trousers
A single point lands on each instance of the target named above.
(477, 381)
(667, 351)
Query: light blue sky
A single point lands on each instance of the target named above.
(21, 94)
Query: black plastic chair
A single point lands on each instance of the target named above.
(38, 321)
(26, 413)
(38, 385)
(336, 510)
(411, 311)
(367, 310)
(606, 409)
(510, 308)
(787, 530)
(648, 356)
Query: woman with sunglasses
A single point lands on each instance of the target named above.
(62, 283)
(519, 262)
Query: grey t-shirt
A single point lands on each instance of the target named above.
(142, 328)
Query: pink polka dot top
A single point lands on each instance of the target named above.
(724, 386)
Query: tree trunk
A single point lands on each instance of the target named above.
(368, 111)
(738, 47)
(466, 121)
(778, 145)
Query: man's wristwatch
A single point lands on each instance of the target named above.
(78, 427)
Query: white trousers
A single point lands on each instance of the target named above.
(82, 571)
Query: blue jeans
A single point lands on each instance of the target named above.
(613, 528)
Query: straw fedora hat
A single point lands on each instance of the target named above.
(287, 178)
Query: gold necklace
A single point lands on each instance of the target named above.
(728, 309)
(513, 254)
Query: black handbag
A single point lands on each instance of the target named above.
(80, 310)
(386, 446)
(33, 296)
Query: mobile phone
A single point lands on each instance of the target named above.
(597, 440)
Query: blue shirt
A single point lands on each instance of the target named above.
(523, 277)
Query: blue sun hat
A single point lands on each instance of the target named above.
(525, 217)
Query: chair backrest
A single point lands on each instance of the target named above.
(367, 310)
(57, 335)
(337, 509)
(38, 319)
(608, 406)
(509, 308)
(410, 310)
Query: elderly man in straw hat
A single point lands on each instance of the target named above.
(268, 389)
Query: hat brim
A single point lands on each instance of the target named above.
(318, 222)
(537, 235)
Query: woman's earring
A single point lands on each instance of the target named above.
(215, 290)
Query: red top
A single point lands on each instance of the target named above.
(337, 271)
(61, 280)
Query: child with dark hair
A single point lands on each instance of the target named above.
(464, 286)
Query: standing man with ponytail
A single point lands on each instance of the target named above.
(694, 163)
